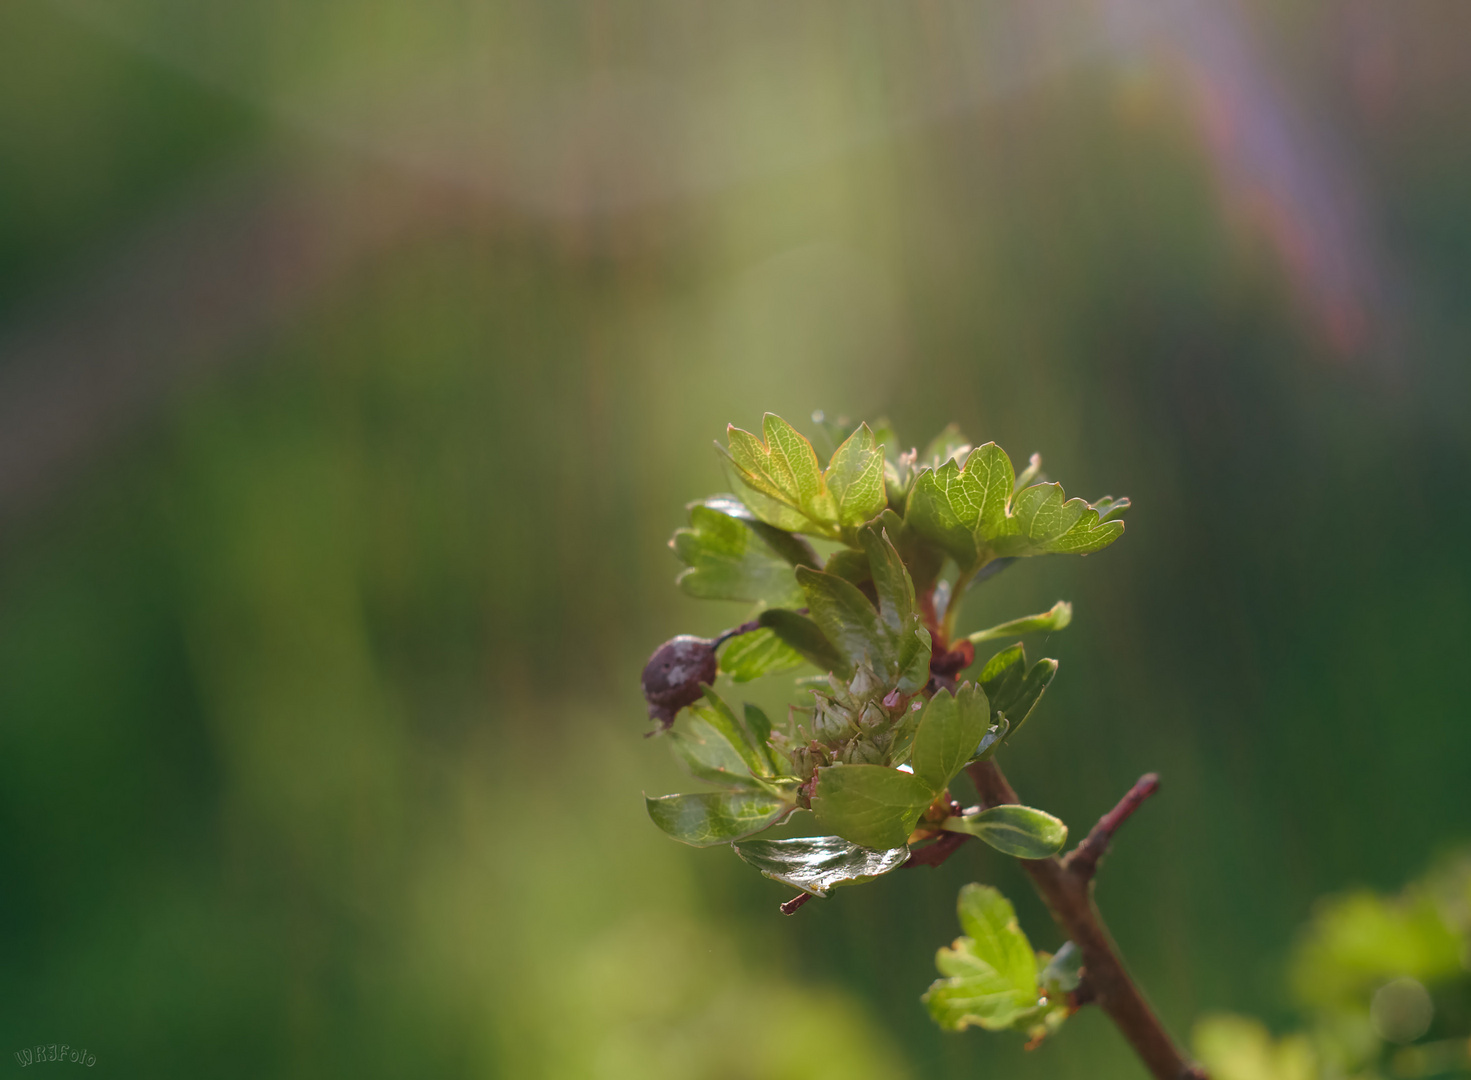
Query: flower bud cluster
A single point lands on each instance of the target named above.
(860, 722)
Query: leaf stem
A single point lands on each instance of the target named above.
(1066, 886)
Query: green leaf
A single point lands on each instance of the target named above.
(1064, 971)
(989, 921)
(759, 726)
(1088, 534)
(717, 817)
(855, 476)
(921, 558)
(773, 511)
(780, 480)
(950, 729)
(806, 638)
(847, 619)
(709, 755)
(726, 559)
(892, 639)
(715, 712)
(913, 661)
(975, 514)
(756, 653)
(975, 996)
(816, 864)
(932, 512)
(792, 464)
(900, 655)
(1055, 618)
(794, 549)
(850, 565)
(871, 805)
(992, 971)
(886, 438)
(1014, 691)
(891, 581)
(1109, 508)
(1021, 831)
(1039, 515)
(992, 740)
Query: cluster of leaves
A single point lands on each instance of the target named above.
(891, 722)
(993, 978)
(1385, 982)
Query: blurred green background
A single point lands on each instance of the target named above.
(356, 362)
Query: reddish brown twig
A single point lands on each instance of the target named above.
(936, 853)
(791, 906)
(1066, 885)
(1083, 859)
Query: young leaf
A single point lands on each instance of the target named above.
(992, 740)
(806, 638)
(794, 549)
(769, 509)
(758, 724)
(1055, 618)
(950, 730)
(1014, 691)
(717, 817)
(1038, 516)
(715, 712)
(890, 580)
(709, 755)
(871, 805)
(726, 559)
(913, 661)
(992, 971)
(1089, 533)
(756, 653)
(780, 479)
(847, 619)
(975, 514)
(849, 564)
(1064, 971)
(816, 864)
(922, 559)
(989, 921)
(1021, 831)
(933, 513)
(1109, 508)
(855, 476)
(845, 630)
(974, 995)
(886, 438)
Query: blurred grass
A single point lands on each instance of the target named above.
(319, 725)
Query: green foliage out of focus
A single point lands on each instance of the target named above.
(891, 723)
(1384, 986)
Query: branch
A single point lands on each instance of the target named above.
(936, 853)
(1083, 859)
(1066, 887)
(791, 906)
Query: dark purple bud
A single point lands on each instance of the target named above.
(674, 674)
